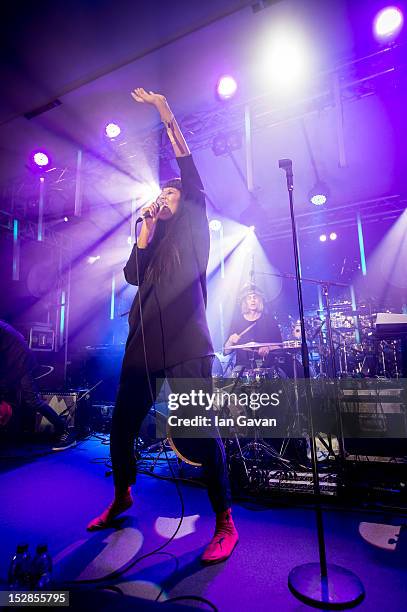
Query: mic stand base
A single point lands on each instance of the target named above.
(340, 590)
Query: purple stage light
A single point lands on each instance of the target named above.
(226, 87)
(41, 159)
(322, 238)
(388, 22)
(112, 130)
(333, 236)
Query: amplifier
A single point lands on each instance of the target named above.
(65, 404)
(375, 421)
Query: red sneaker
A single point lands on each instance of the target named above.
(112, 511)
(224, 540)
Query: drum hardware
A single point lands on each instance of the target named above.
(253, 378)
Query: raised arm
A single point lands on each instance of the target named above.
(174, 133)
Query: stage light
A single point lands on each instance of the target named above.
(322, 238)
(234, 141)
(319, 193)
(219, 145)
(93, 258)
(226, 87)
(318, 199)
(66, 219)
(41, 159)
(224, 143)
(215, 225)
(286, 64)
(333, 236)
(147, 192)
(42, 179)
(388, 23)
(112, 130)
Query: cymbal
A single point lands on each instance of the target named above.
(251, 346)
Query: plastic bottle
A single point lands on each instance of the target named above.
(20, 566)
(41, 569)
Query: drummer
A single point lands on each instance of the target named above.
(253, 324)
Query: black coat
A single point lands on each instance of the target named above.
(174, 309)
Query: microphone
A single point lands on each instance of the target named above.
(147, 214)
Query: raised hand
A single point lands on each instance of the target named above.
(148, 97)
(175, 135)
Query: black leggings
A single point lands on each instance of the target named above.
(132, 405)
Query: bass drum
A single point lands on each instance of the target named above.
(186, 449)
(289, 365)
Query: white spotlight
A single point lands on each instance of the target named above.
(287, 62)
(215, 225)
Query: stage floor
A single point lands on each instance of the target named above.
(51, 498)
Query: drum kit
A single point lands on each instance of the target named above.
(283, 362)
(356, 354)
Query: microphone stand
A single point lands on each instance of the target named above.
(321, 585)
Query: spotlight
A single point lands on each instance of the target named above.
(40, 159)
(219, 145)
(147, 192)
(66, 219)
(215, 225)
(224, 143)
(226, 87)
(388, 23)
(333, 236)
(318, 195)
(322, 238)
(93, 258)
(286, 61)
(112, 130)
(234, 141)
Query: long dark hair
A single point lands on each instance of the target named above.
(166, 257)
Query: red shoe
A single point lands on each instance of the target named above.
(224, 540)
(105, 519)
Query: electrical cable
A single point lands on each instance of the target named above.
(192, 598)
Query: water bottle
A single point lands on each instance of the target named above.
(19, 570)
(41, 568)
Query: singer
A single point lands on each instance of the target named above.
(168, 335)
